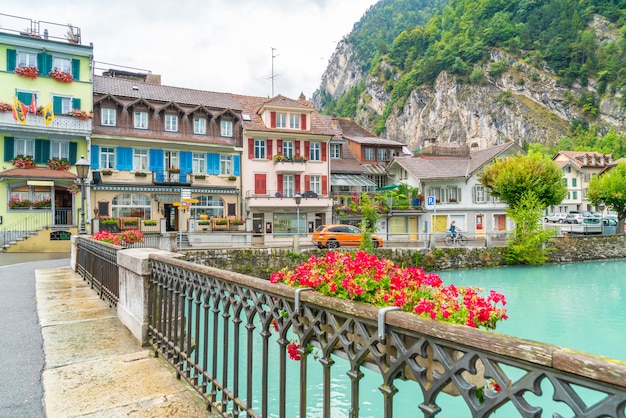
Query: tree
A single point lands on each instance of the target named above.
(610, 189)
(370, 215)
(508, 179)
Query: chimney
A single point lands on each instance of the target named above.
(334, 123)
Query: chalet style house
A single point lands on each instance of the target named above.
(162, 152)
(45, 126)
(285, 161)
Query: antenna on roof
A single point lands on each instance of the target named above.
(273, 76)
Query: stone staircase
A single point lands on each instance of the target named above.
(23, 229)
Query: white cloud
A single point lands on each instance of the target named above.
(216, 45)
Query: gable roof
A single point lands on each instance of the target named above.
(351, 130)
(437, 167)
(593, 159)
(138, 90)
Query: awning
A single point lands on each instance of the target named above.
(167, 198)
(351, 180)
(388, 187)
(40, 183)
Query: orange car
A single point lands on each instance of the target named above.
(335, 236)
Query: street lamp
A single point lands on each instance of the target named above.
(82, 170)
(296, 238)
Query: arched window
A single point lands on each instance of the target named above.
(131, 206)
(207, 205)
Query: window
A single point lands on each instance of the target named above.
(574, 182)
(281, 120)
(131, 205)
(207, 205)
(140, 160)
(62, 64)
(382, 154)
(107, 157)
(294, 121)
(171, 123)
(480, 194)
(335, 151)
(140, 120)
(65, 102)
(26, 59)
(170, 159)
(567, 169)
(226, 164)
(30, 193)
(288, 149)
(315, 152)
(199, 126)
(198, 162)
(288, 185)
(24, 147)
(108, 116)
(369, 154)
(59, 150)
(259, 149)
(574, 195)
(453, 194)
(227, 128)
(316, 184)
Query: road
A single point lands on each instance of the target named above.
(21, 345)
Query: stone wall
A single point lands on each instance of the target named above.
(263, 262)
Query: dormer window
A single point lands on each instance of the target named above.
(294, 121)
(227, 128)
(107, 116)
(281, 120)
(335, 151)
(171, 123)
(140, 120)
(199, 126)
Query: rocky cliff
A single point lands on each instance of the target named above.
(523, 104)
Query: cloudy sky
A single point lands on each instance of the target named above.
(216, 45)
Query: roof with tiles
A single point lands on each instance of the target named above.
(38, 173)
(584, 158)
(147, 91)
(435, 167)
(252, 106)
(354, 132)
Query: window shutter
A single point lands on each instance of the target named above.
(279, 183)
(324, 147)
(324, 185)
(307, 150)
(303, 122)
(250, 148)
(213, 163)
(11, 61)
(57, 105)
(259, 184)
(185, 165)
(236, 165)
(42, 151)
(156, 162)
(95, 157)
(307, 182)
(272, 119)
(297, 146)
(9, 148)
(44, 63)
(24, 97)
(124, 158)
(279, 147)
(269, 149)
(297, 181)
(73, 152)
(75, 103)
(75, 69)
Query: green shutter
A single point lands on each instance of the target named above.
(42, 151)
(73, 151)
(44, 63)
(76, 69)
(57, 105)
(9, 148)
(75, 103)
(24, 97)
(11, 59)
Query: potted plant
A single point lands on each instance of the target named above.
(41, 204)
(140, 174)
(106, 172)
(279, 157)
(173, 170)
(109, 225)
(61, 76)
(232, 178)
(16, 203)
(221, 222)
(23, 161)
(27, 72)
(199, 176)
(204, 224)
(80, 114)
(72, 34)
(5, 107)
(149, 222)
(58, 164)
(73, 188)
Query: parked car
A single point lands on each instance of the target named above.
(556, 217)
(576, 216)
(335, 236)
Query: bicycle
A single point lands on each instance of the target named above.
(460, 239)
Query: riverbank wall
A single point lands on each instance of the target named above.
(262, 262)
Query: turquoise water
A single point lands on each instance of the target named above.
(580, 306)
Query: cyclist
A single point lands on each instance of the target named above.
(454, 231)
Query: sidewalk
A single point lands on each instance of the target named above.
(94, 367)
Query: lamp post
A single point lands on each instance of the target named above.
(296, 238)
(82, 170)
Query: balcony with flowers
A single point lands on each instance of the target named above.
(77, 123)
(285, 164)
(61, 76)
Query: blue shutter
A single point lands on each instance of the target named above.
(11, 60)
(124, 158)
(213, 164)
(9, 148)
(185, 165)
(75, 69)
(236, 165)
(156, 163)
(95, 157)
(73, 152)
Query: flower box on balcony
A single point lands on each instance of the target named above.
(27, 72)
(199, 177)
(232, 178)
(16, 203)
(61, 76)
(173, 170)
(58, 164)
(80, 114)
(106, 172)
(41, 204)
(140, 174)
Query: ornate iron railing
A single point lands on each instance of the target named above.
(228, 335)
(97, 263)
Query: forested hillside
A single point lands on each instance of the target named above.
(497, 47)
